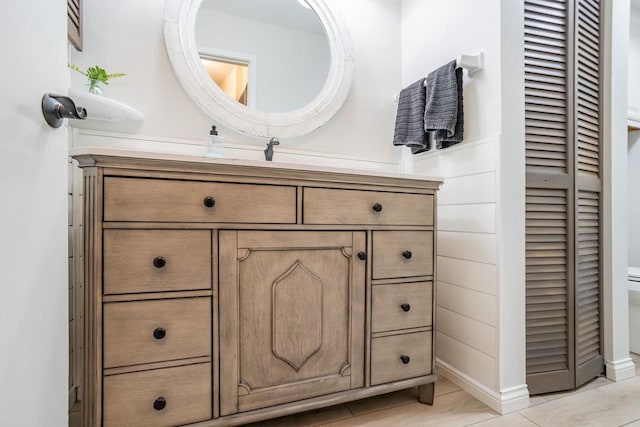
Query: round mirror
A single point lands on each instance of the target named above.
(264, 68)
(270, 56)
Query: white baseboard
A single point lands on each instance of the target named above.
(510, 400)
(623, 369)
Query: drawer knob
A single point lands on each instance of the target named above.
(209, 201)
(405, 307)
(159, 333)
(160, 403)
(362, 255)
(407, 254)
(405, 359)
(159, 262)
(377, 207)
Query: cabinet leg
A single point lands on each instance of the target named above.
(425, 393)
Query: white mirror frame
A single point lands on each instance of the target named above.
(179, 35)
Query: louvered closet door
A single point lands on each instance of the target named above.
(549, 203)
(558, 325)
(588, 194)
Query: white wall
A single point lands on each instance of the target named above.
(33, 218)
(633, 177)
(435, 32)
(291, 65)
(615, 301)
(634, 57)
(511, 227)
(467, 305)
(480, 337)
(127, 36)
(634, 143)
(466, 244)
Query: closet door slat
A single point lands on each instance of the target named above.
(548, 322)
(74, 23)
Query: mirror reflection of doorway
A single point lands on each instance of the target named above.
(232, 76)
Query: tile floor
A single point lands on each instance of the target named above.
(599, 403)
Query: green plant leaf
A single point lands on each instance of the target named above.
(74, 67)
(96, 73)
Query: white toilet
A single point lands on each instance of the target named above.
(634, 309)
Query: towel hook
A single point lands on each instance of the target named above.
(55, 108)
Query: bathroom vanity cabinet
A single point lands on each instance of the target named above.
(223, 292)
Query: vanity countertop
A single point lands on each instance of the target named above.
(88, 156)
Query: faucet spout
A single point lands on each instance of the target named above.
(268, 152)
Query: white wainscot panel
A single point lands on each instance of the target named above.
(466, 359)
(469, 274)
(469, 246)
(478, 188)
(471, 218)
(476, 157)
(473, 304)
(469, 331)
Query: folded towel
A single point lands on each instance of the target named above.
(443, 114)
(409, 129)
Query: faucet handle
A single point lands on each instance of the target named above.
(268, 152)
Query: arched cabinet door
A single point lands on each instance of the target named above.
(291, 316)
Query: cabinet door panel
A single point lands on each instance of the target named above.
(286, 314)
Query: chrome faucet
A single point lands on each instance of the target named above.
(268, 153)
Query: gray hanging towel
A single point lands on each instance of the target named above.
(443, 113)
(409, 129)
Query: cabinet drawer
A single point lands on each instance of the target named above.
(402, 254)
(156, 200)
(402, 306)
(131, 399)
(332, 206)
(133, 331)
(387, 354)
(156, 260)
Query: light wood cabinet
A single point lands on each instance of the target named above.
(334, 206)
(402, 254)
(180, 260)
(291, 316)
(401, 306)
(222, 293)
(183, 392)
(139, 332)
(400, 356)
